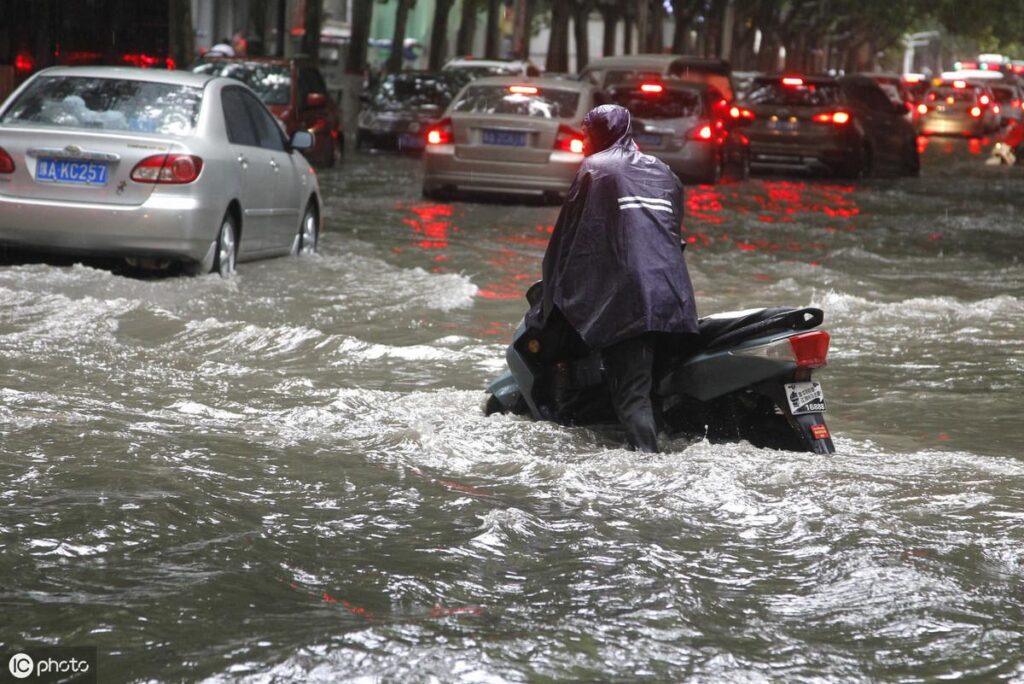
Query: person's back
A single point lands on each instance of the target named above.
(614, 267)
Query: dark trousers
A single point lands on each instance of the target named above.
(629, 368)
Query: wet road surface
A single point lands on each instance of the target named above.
(287, 476)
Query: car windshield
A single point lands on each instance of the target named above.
(669, 104)
(408, 91)
(777, 93)
(272, 83)
(544, 103)
(108, 104)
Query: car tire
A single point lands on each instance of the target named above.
(714, 174)
(225, 262)
(307, 242)
(912, 159)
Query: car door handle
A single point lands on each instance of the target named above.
(242, 160)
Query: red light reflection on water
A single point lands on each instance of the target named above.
(433, 223)
(518, 263)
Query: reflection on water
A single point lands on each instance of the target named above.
(287, 477)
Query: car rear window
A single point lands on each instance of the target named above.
(403, 91)
(539, 102)
(108, 104)
(669, 104)
(1003, 94)
(272, 83)
(775, 92)
(958, 94)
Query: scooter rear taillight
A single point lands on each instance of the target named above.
(810, 349)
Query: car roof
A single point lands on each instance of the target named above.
(879, 75)
(283, 61)
(185, 78)
(653, 59)
(539, 81)
(472, 61)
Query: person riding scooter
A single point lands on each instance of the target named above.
(614, 276)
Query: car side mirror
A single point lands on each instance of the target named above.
(316, 100)
(301, 140)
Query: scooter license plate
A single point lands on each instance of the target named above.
(805, 397)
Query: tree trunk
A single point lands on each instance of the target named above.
(312, 22)
(656, 29)
(181, 33)
(467, 29)
(558, 45)
(492, 40)
(523, 29)
(394, 63)
(439, 34)
(362, 14)
(627, 35)
(282, 27)
(580, 19)
(611, 23)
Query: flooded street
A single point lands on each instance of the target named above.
(287, 476)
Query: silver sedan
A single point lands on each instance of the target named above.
(155, 166)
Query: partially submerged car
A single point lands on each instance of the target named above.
(155, 166)
(294, 91)
(508, 135)
(397, 113)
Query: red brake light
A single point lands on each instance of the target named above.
(23, 62)
(959, 84)
(995, 109)
(734, 112)
(6, 162)
(810, 349)
(440, 133)
(523, 90)
(168, 169)
(837, 118)
(652, 88)
(922, 109)
(984, 99)
(792, 81)
(569, 140)
(975, 111)
(703, 133)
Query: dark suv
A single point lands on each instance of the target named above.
(845, 126)
(295, 92)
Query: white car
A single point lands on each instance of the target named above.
(156, 166)
(478, 68)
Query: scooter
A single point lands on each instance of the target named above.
(746, 376)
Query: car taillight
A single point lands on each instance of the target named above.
(810, 349)
(792, 81)
(440, 133)
(23, 62)
(984, 99)
(995, 109)
(652, 88)
(569, 140)
(837, 118)
(922, 109)
(168, 168)
(975, 111)
(6, 162)
(740, 113)
(702, 133)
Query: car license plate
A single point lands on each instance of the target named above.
(411, 141)
(71, 172)
(648, 139)
(507, 138)
(805, 397)
(784, 126)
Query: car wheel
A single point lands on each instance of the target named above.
(714, 174)
(308, 240)
(226, 260)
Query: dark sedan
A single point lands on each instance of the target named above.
(397, 113)
(845, 126)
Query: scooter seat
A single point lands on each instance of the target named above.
(731, 327)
